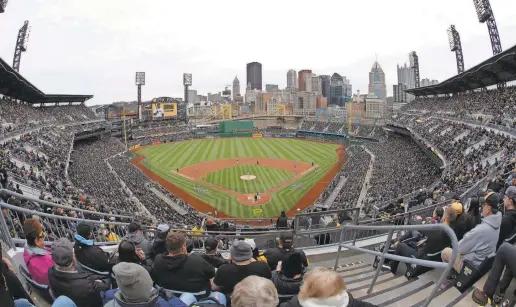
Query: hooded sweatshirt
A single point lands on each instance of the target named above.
(139, 241)
(154, 301)
(480, 242)
(183, 273)
(508, 227)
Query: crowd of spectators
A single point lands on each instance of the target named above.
(469, 151)
(400, 167)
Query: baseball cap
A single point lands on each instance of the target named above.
(163, 228)
(241, 251)
(62, 252)
(491, 199)
(251, 243)
(211, 244)
(286, 239)
(511, 192)
(457, 207)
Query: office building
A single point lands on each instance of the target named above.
(407, 78)
(254, 75)
(377, 85)
(291, 79)
(305, 103)
(236, 88)
(313, 84)
(428, 82)
(192, 97)
(375, 107)
(340, 90)
(301, 79)
(270, 87)
(262, 99)
(325, 85)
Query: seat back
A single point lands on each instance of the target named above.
(42, 290)
(470, 274)
(414, 271)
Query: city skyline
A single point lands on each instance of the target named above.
(80, 49)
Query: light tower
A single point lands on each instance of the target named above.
(187, 81)
(485, 15)
(140, 80)
(21, 44)
(3, 4)
(414, 64)
(456, 46)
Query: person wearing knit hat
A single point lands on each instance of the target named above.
(289, 275)
(135, 289)
(242, 265)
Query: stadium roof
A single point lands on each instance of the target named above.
(499, 68)
(14, 85)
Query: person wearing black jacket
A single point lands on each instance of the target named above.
(508, 226)
(289, 275)
(11, 289)
(459, 226)
(81, 287)
(282, 222)
(435, 242)
(211, 255)
(87, 253)
(158, 246)
(285, 248)
(180, 272)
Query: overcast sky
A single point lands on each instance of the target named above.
(96, 46)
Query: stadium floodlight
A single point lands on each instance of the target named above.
(451, 38)
(140, 78)
(187, 79)
(21, 44)
(3, 4)
(483, 9)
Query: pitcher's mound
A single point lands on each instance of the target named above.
(248, 177)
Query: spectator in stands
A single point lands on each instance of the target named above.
(254, 291)
(480, 242)
(82, 287)
(135, 235)
(135, 289)
(429, 248)
(459, 226)
(242, 265)
(87, 253)
(37, 258)
(128, 252)
(197, 229)
(12, 293)
(211, 254)
(282, 222)
(289, 275)
(274, 255)
(322, 287)
(158, 246)
(508, 227)
(473, 218)
(180, 272)
(504, 259)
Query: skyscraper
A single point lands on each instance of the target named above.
(254, 75)
(377, 81)
(301, 79)
(340, 90)
(236, 88)
(291, 79)
(269, 88)
(325, 85)
(313, 84)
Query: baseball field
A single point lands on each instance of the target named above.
(243, 177)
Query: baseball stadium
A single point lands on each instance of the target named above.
(303, 196)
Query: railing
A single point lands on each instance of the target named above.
(390, 234)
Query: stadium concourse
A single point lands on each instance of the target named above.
(66, 178)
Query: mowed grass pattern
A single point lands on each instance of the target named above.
(162, 159)
(266, 178)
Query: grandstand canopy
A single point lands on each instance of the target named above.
(499, 68)
(14, 85)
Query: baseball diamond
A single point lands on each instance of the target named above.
(216, 165)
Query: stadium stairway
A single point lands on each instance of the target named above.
(396, 290)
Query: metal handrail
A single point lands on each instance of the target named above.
(50, 204)
(391, 229)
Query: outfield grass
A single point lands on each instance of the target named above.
(164, 158)
(266, 178)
